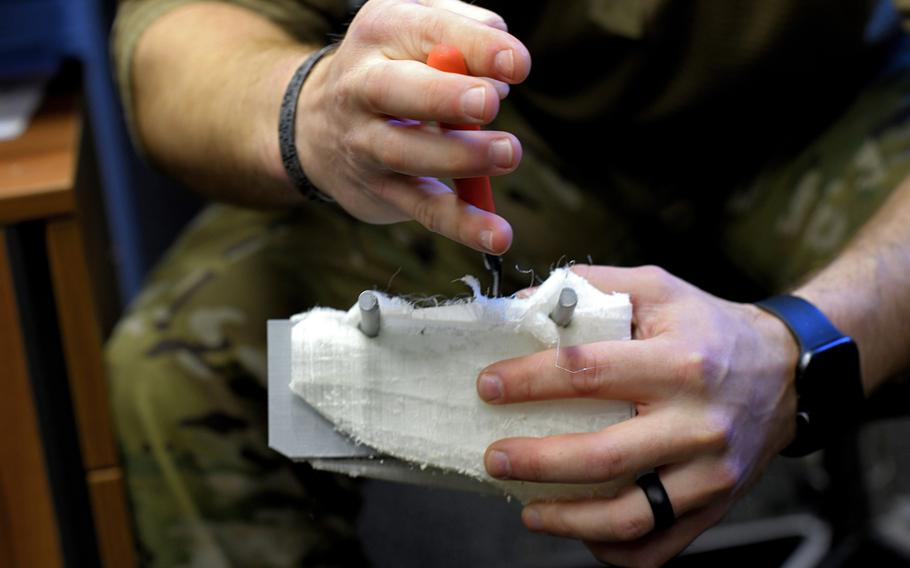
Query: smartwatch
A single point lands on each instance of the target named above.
(829, 386)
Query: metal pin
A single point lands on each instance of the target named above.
(369, 313)
(493, 264)
(565, 307)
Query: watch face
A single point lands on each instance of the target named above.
(830, 388)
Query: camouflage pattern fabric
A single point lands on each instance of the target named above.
(794, 217)
(187, 362)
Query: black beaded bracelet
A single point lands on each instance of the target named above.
(287, 127)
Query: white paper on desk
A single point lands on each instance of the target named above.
(410, 392)
(18, 102)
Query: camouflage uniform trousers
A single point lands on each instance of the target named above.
(188, 360)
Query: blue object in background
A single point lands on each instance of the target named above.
(32, 38)
(143, 209)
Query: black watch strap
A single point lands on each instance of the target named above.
(828, 381)
(807, 323)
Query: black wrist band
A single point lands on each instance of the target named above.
(808, 324)
(828, 378)
(287, 127)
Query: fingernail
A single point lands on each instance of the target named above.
(498, 465)
(473, 102)
(531, 518)
(489, 387)
(505, 63)
(502, 89)
(499, 24)
(501, 153)
(486, 240)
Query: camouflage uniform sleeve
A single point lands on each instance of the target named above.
(308, 20)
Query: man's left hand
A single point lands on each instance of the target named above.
(712, 382)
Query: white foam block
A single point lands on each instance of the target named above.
(410, 392)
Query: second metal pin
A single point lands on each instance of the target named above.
(565, 307)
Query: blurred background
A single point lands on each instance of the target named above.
(82, 219)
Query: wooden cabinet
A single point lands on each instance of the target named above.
(49, 285)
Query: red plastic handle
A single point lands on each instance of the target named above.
(476, 191)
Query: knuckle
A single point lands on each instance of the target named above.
(356, 144)
(383, 188)
(534, 467)
(347, 89)
(716, 433)
(586, 381)
(427, 214)
(388, 149)
(714, 366)
(607, 461)
(702, 368)
(392, 154)
(725, 477)
(433, 26)
(496, 21)
(658, 279)
(371, 24)
(561, 522)
(631, 527)
(654, 274)
(364, 27)
(524, 384)
(691, 370)
(407, 14)
(583, 365)
(525, 388)
(483, 15)
(463, 158)
(438, 99)
(375, 85)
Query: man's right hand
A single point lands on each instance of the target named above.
(363, 135)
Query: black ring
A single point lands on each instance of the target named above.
(661, 508)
